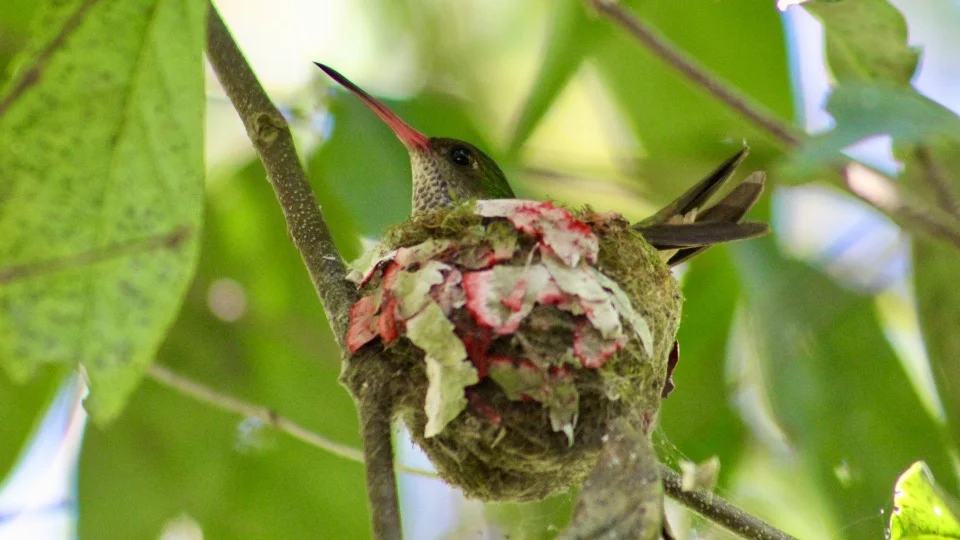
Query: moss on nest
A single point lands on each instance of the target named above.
(522, 457)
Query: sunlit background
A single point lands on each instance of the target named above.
(624, 134)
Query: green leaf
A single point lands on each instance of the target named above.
(169, 455)
(840, 394)
(101, 200)
(22, 408)
(863, 110)
(936, 272)
(447, 371)
(571, 37)
(866, 40)
(922, 510)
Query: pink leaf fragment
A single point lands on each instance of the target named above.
(362, 326)
(500, 298)
(559, 232)
(591, 348)
(387, 321)
(581, 282)
(449, 294)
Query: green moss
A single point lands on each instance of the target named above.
(524, 458)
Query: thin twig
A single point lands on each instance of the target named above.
(718, 510)
(273, 142)
(909, 214)
(659, 45)
(204, 394)
(883, 193)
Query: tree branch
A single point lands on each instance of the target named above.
(718, 510)
(273, 142)
(271, 138)
(908, 213)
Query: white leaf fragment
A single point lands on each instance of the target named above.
(412, 289)
(447, 372)
(622, 303)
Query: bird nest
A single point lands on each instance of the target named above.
(512, 333)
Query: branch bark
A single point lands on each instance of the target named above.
(271, 137)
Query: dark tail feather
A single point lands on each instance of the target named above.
(693, 235)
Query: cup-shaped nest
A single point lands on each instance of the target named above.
(513, 332)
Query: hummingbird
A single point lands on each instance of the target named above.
(449, 171)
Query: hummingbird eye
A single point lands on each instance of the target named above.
(461, 156)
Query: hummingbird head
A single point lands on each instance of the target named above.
(445, 171)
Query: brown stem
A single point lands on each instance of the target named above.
(718, 510)
(273, 142)
(658, 44)
(376, 421)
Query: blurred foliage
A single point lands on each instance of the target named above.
(166, 455)
(822, 389)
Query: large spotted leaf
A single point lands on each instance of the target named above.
(100, 198)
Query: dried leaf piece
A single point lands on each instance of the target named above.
(595, 301)
(362, 326)
(427, 250)
(563, 402)
(362, 269)
(519, 380)
(412, 289)
(567, 238)
(555, 389)
(447, 372)
(623, 305)
(500, 298)
(590, 347)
